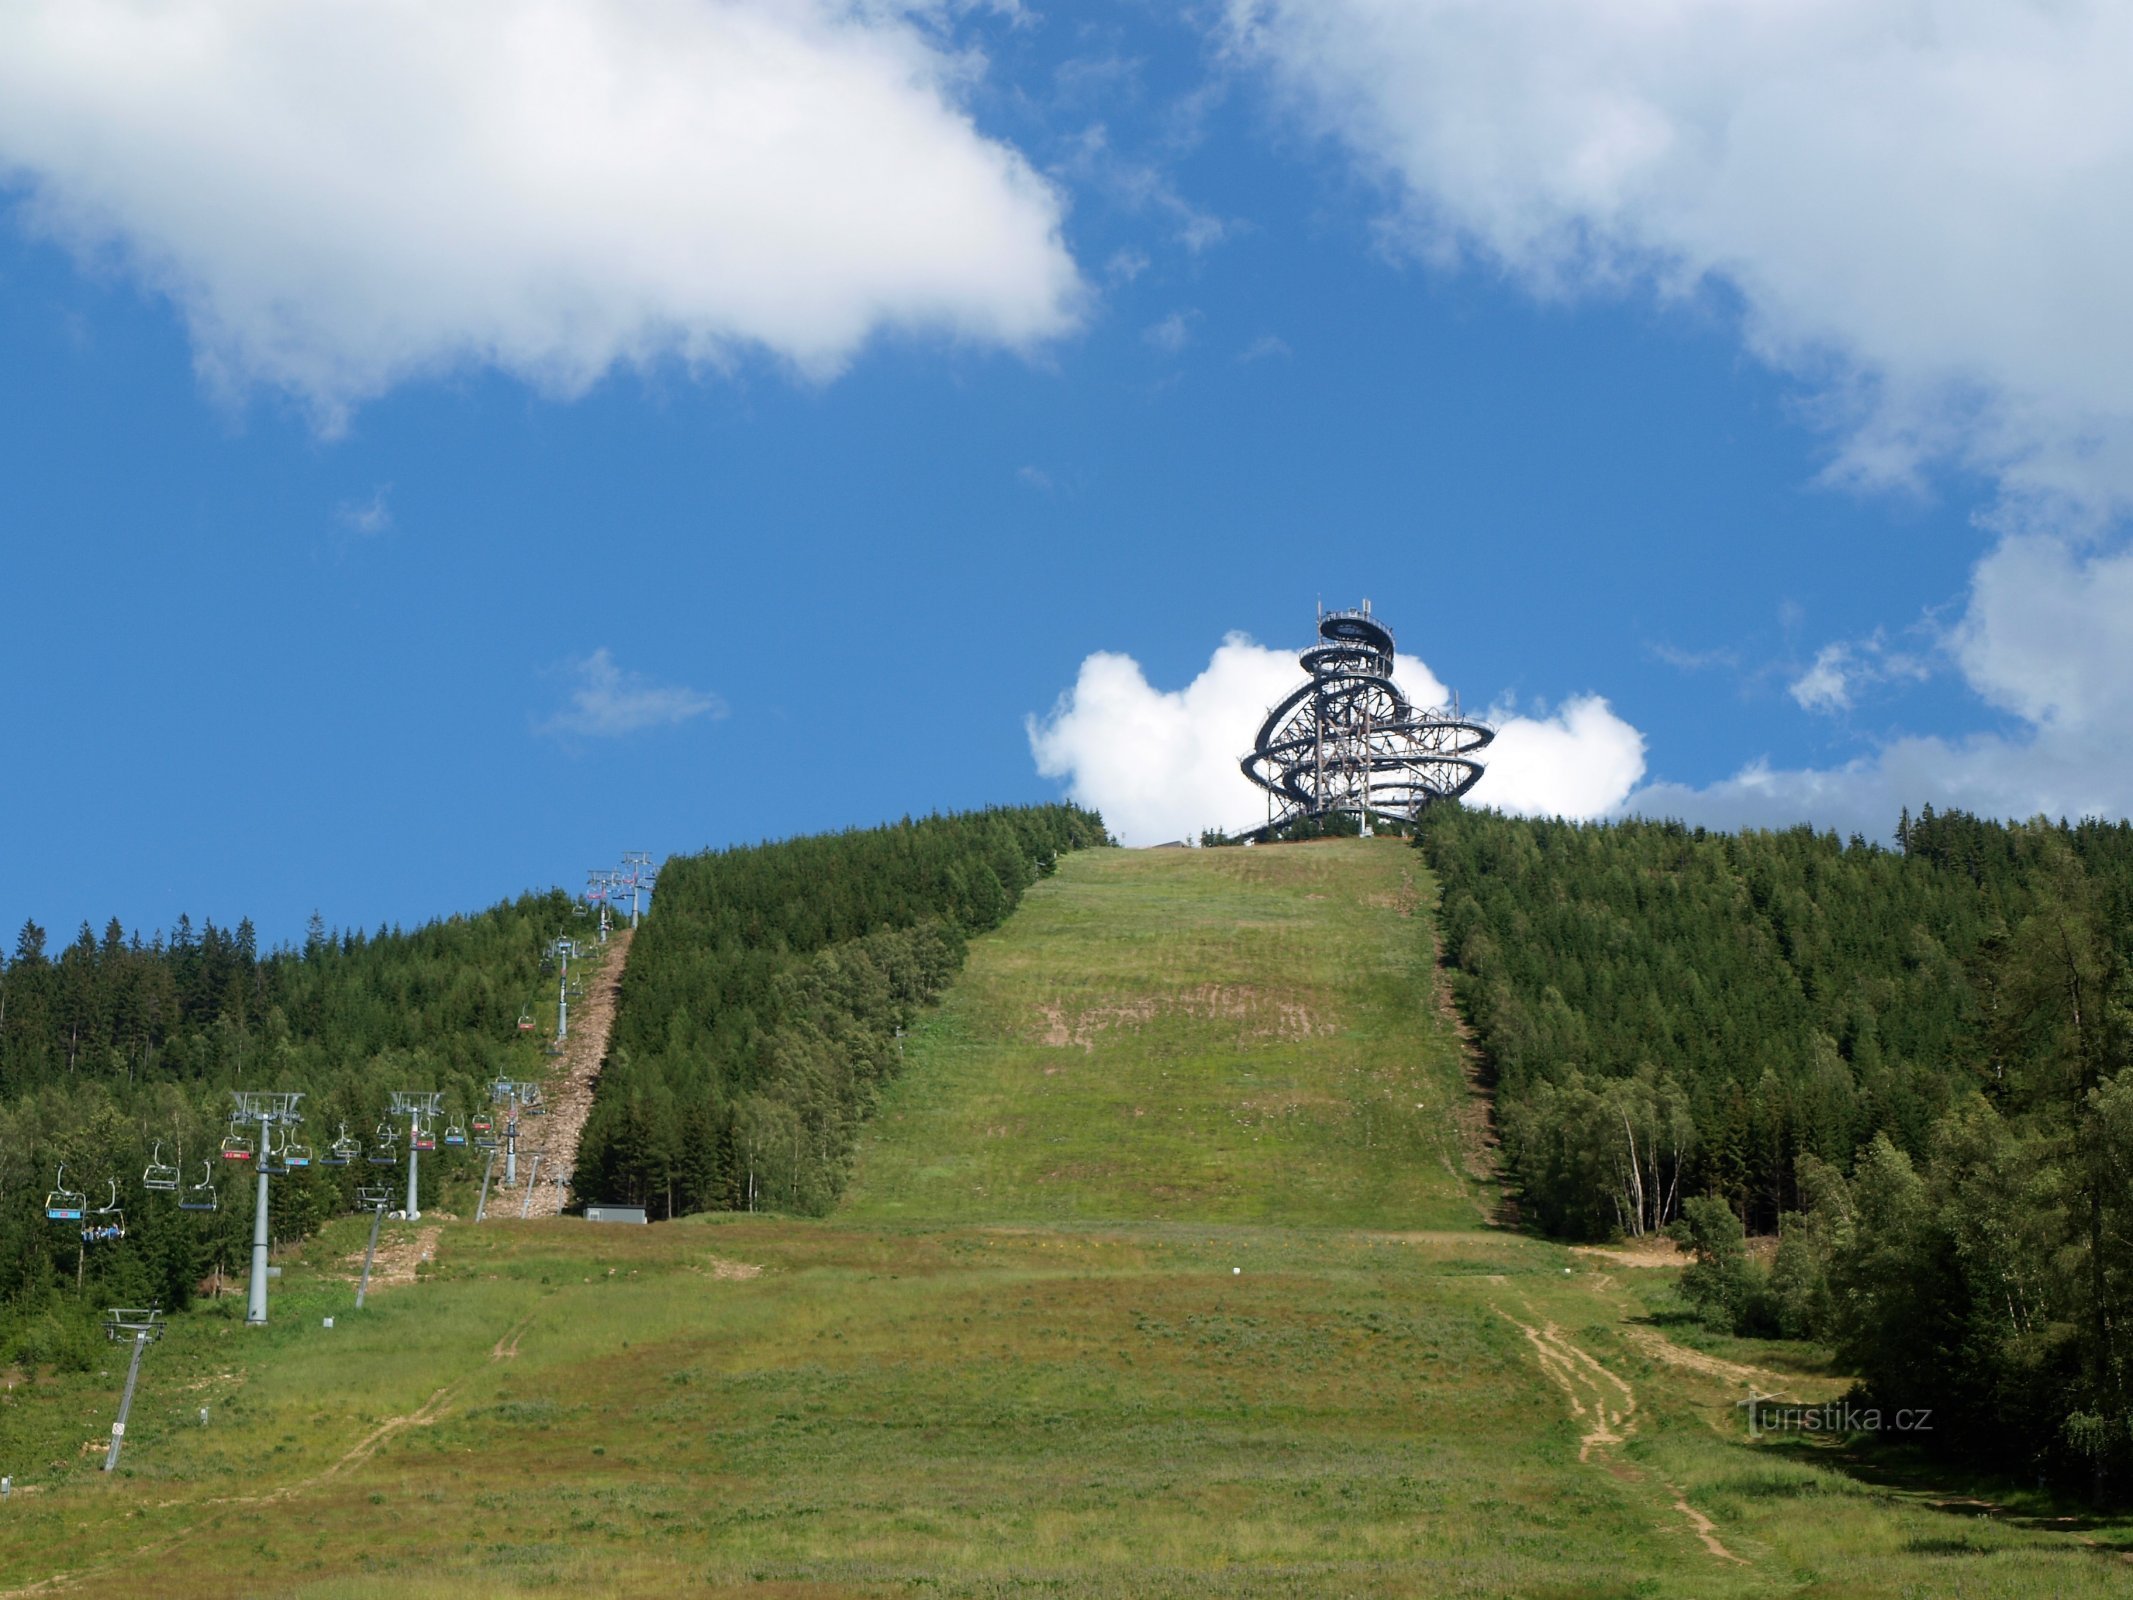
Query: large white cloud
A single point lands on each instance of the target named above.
(1162, 764)
(343, 193)
(1916, 201)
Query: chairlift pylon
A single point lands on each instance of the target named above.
(201, 1196)
(64, 1204)
(161, 1177)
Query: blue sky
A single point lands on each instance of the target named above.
(388, 558)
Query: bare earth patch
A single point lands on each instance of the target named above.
(554, 1138)
(1654, 1250)
(399, 1254)
(1258, 1015)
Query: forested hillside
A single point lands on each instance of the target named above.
(114, 1047)
(1912, 1062)
(763, 999)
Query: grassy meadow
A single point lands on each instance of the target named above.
(1161, 1276)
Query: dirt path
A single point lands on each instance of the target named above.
(569, 1097)
(1606, 1406)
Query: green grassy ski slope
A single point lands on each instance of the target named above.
(1251, 1341)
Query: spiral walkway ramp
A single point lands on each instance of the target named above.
(1349, 742)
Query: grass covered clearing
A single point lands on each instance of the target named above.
(943, 1400)
(1232, 1035)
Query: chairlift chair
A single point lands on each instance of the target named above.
(107, 1223)
(201, 1196)
(237, 1147)
(423, 1139)
(386, 1152)
(454, 1134)
(161, 1177)
(64, 1204)
(525, 1022)
(482, 1125)
(485, 1141)
(296, 1154)
(372, 1198)
(343, 1150)
(272, 1159)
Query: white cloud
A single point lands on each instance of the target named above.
(340, 195)
(1172, 334)
(1841, 671)
(609, 702)
(1916, 201)
(1162, 764)
(1826, 685)
(1582, 762)
(2044, 639)
(1262, 348)
(367, 518)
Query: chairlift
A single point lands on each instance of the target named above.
(482, 1125)
(161, 1177)
(112, 1226)
(423, 1139)
(455, 1134)
(272, 1158)
(201, 1196)
(386, 1152)
(237, 1147)
(484, 1141)
(296, 1154)
(547, 966)
(370, 1197)
(343, 1150)
(525, 1022)
(64, 1204)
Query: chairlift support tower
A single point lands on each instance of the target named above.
(642, 877)
(420, 1107)
(598, 884)
(265, 1110)
(1350, 743)
(512, 1093)
(141, 1326)
(563, 949)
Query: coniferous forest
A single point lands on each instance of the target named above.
(762, 1004)
(1911, 1065)
(120, 1051)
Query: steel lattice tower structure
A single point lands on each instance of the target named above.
(1349, 742)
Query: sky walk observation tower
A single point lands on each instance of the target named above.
(1350, 743)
